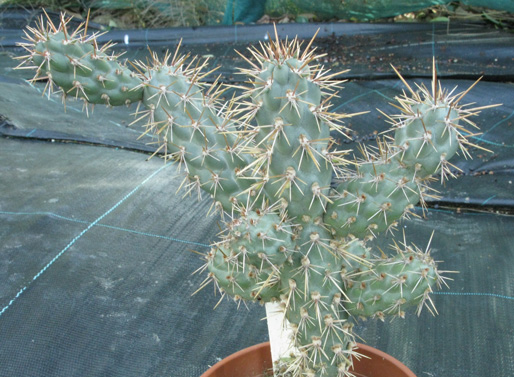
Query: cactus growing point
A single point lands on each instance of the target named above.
(298, 212)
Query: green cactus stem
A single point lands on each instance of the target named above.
(176, 105)
(298, 212)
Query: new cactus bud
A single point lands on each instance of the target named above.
(298, 212)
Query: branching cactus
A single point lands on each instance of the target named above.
(298, 211)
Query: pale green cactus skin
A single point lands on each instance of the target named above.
(95, 76)
(298, 212)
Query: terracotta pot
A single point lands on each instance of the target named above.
(254, 361)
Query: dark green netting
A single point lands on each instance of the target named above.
(156, 13)
(95, 252)
(243, 11)
(371, 9)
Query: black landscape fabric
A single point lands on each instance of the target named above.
(97, 252)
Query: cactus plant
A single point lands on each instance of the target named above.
(298, 212)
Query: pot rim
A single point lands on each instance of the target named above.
(365, 350)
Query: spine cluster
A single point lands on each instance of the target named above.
(298, 212)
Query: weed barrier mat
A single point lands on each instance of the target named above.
(97, 251)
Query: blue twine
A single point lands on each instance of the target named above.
(353, 99)
(489, 198)
(480, 138)
(54, 215)
(78, 237)
(473, 294)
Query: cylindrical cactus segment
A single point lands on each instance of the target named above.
(291, 134)
(193, 130)
(427, 136)
(390, 181)
(247, 263)
(314, 301)
(394, 284)
(322, 335)
(75, 64)
(374, 201)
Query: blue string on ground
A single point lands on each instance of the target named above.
(473, 294)
(481, 137)
(54, 215)
(20, 292)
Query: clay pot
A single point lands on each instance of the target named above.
(254, 361)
